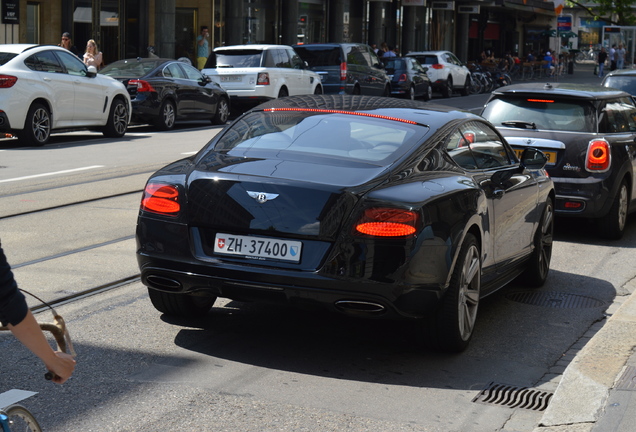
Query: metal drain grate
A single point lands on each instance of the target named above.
(514, 397)
(557, 300)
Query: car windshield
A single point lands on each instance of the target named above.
(344, 136)
(5, 57)
(395, 64)
(538, 112)
(130, 68)
(625, 83)
(319, 56)
(239, 58)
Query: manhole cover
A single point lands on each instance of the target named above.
(557, 300)
(514, 397)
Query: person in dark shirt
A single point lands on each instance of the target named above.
(602, 58)
(67, 43)
(15, 314)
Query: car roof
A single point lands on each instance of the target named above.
(623, 72)
(432, 115)
(580, 91)
(251, 47)
(329, 44)
(19, 48)
(426, 53)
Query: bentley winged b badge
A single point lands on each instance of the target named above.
(262, 197)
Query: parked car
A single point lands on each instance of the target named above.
(44, 89)
(446, 72)
(353, 203)
(587, 133)
(164, 91)
(408, 78)
(347, 68)
(258, 73)
(622, 79)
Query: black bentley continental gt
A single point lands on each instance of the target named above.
(365, 205)
(164, 91)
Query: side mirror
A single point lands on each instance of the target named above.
(533, 158)
(92, 71)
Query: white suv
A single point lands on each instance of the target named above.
(44, 88)
(258, 73)
(446, 72)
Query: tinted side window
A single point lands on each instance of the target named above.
(296, 61)
(281, 59)
(474, 145)
(73, 65)
(619, 117)
(44, 61)
(367, 56)
(192, 73)
(173, 70)
(355, 56)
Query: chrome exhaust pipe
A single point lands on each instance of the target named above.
(164, 283)
(360, 307)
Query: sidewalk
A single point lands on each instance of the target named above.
(597, 390)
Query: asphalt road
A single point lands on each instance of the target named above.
(67, 224)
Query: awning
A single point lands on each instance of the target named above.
(84, 15)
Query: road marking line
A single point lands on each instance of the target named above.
(52, 173)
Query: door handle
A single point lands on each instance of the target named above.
(498, 193)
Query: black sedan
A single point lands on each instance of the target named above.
(164, 91)
(408, 78)
(370, 206)
(588, 133)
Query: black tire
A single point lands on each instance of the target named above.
(21, 419)
(465, 91)
(612, 225)
(447, 90)
(117, 120)
(222, 112)
(356, 90)
(428, 95)
(181, 305)
(411, 94)
(318, 90)
(167, 116)
(455, 319)
(283, 92)
(37, 126)
(536, 273)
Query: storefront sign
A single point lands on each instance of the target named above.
(413, 2)
(443, 5)
(564, 23)
(10, 11)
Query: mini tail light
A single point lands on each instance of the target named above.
(142, 86)
(7, 81)
(388, 222)
(343, 71)
(598, 156)
(573, 205)
(161, 198)
(402, 78)
(437, 66)
(263, 78)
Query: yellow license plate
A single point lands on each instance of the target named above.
(550, 155)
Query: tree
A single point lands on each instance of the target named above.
(605, 10)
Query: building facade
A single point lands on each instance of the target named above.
(129, 28)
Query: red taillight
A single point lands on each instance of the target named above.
(263, 78)
(142, 86)
(343, 71)
(437, 66)
(388, 222)
(598, 156)
(402, 78)
(573, 205)
(7, 81)
(161, 198)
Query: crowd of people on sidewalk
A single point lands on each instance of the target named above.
(615, 59)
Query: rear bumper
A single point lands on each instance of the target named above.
(594, 195)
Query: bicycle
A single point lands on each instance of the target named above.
(13, 416)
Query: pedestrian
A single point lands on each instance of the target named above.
(620, 57)
(92, 56)
(202, 47)
(375, 48)
(15, 314)
(549, 65)
(67, 43)
(612, 57)
(602, 58)
(389, 53)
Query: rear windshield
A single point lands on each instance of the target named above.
(5, 57)
(395, 64)
(625, 83)
(130, 68)
(542, 113)
(319, 56)
(344, 136)
(426, 59)
(239, 58)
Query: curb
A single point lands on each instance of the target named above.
(584, 388)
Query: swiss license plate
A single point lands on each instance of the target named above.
(263, 248)
(230, 78)
(549, 154)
